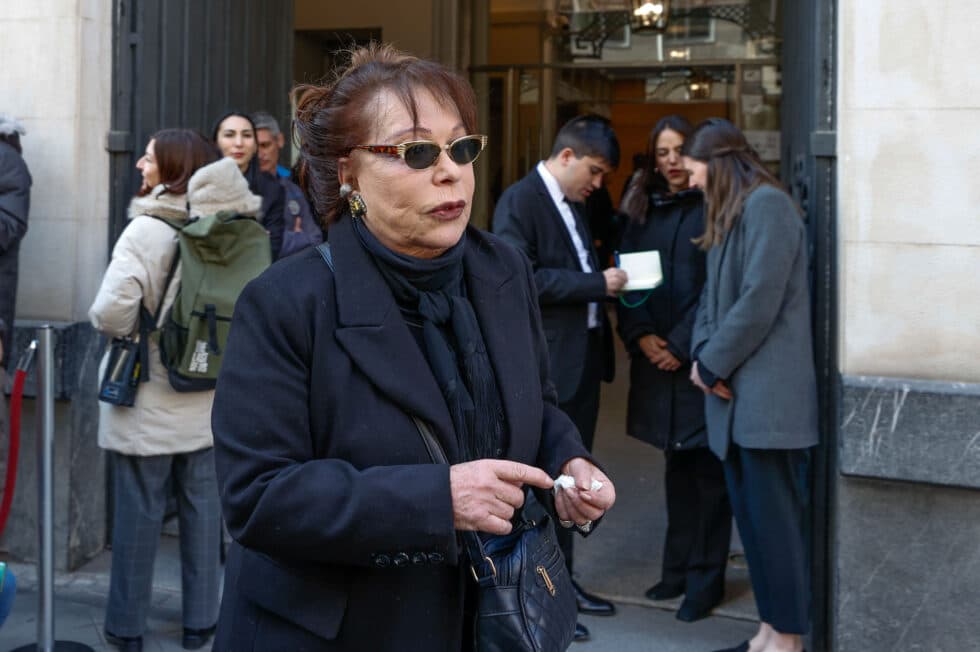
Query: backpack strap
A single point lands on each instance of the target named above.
(149, 321)
(324, 250)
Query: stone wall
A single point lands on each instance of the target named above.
(56, 80)
(906, 502)
(909, 160)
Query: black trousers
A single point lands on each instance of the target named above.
(769, 493)
(699, 524)
(583, 409)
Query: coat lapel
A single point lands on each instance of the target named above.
(373, 332)
(557, 221)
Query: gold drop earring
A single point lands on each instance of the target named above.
(358, 209)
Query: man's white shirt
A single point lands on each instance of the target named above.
(568, 217)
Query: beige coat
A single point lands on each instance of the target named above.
(162, 422)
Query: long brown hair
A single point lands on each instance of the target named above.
(637, 198)
(734, 171)
(334, 117)
(179, 153)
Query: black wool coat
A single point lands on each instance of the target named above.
(527, 217)
(15, 203)
(273, 197)
(665, 409)
(343, 529)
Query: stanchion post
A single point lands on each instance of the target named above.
(45, 489)
(45, 500)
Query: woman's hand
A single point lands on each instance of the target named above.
(720, 389)
(580, 504)
(656, 351)
(485, 493)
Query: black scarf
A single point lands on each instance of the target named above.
(432, 291)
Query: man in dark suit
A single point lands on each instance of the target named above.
(542, 215)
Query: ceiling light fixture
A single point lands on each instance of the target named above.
(650, 15)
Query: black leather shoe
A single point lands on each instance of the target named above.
(691, 611)
(592, 604)
(581, 633)
(125, 643)
(664, 591)
(194, 639)
(742, 647)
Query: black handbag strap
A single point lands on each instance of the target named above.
(324, 250)
(484, 572)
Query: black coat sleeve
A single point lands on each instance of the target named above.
(273, 213)
(278, 495)
(15, 197)
(513, 222)
(560, 441)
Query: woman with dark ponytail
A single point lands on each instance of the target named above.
(753, 359)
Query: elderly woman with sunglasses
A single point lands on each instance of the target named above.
(346, 534)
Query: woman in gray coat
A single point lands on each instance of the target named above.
(753, 353)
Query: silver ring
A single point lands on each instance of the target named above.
(566, 524)
(585, 527)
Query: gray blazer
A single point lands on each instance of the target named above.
(753, 329)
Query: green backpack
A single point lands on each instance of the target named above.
(219, 255)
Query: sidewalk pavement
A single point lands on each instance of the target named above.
(80, 599)
(619, 562)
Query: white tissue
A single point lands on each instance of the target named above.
(567, 482)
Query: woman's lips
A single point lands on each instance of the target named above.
(449, 210)
(675, 173)
(238, 154)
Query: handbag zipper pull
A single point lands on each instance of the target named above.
(547, 580)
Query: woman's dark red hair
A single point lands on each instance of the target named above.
(332, 118)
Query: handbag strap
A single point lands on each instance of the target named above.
(324, 250)
(484, 572)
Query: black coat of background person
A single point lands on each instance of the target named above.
(15, 203)
(343, 529)
(527, 217)
(665, 408)
(273, 203)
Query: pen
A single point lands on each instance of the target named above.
(616, 258)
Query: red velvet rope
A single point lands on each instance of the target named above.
(8, 489)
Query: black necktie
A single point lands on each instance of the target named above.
(583, 233)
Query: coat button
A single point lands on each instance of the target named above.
(382, 561)
(400, 560)
(436, 558)
(419, 558)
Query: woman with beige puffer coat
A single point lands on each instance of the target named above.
(162, 446)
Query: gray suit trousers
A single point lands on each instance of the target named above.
(141, 488)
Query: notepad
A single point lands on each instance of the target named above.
(642, 269)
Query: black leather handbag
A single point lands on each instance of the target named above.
(525, 600)
(129, 357)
